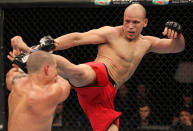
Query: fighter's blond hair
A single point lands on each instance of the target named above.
(37, 60)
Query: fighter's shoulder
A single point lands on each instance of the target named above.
(19, 79)
(110, 28)
(106, 27)
(61, 89)
(110, 31)
(62, 83)
(21, 86)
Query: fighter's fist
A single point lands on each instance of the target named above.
(46, 43)
(18, 43)
(172, 29)
(21, 60)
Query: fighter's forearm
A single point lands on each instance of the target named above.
(179, 44)
(67, 41)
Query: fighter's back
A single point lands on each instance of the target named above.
(31, 107)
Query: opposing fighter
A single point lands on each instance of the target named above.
(34, 96)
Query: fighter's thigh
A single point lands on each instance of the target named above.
(84, 76)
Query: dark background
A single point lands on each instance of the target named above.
(155, 71)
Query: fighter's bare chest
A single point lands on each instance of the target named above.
(131, 50)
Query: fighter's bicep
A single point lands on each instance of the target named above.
(96, 36)
(92, 39)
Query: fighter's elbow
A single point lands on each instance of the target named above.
(76, 38)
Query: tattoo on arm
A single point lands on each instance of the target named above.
(17, 77)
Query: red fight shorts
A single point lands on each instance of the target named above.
(98, 101)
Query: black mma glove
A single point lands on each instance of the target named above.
(46, 43)
(21, 60)
(174, 26)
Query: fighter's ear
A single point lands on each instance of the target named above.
(46, 69)
(145, 22)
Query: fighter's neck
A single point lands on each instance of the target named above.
(37, 80)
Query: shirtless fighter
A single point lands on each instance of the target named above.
(120, 50)
(34, 96)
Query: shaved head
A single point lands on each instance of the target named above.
(137, 8)
(38, 59)
(134, 21)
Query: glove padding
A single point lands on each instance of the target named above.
(174, 26)
(21, 60)
(46, 43)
